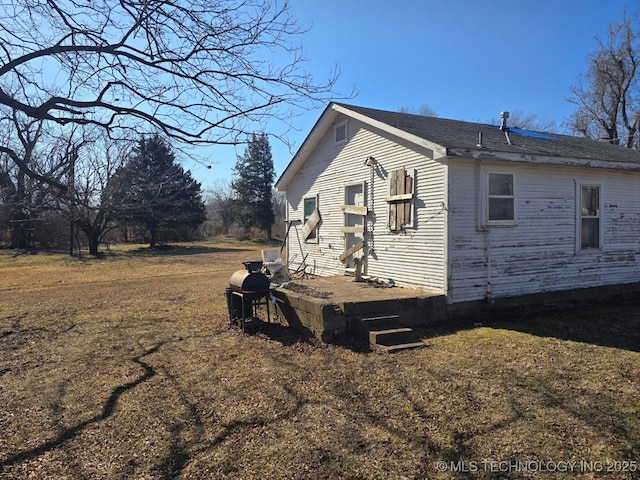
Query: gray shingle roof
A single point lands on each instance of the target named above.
(456, 134)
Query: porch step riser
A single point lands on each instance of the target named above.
(393, 337)
(386, 333)
(399, 348)
(366, 324)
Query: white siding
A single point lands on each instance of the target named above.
(540, 252)
(415, 257)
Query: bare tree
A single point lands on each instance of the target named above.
(199, 71)
(528, 121)
(90, 204)
(608, 94)
(24, 142)
(423, 110)
(221, 209)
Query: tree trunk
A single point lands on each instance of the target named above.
(19, 238)
(94, 242)
(93, 235)
(152, 240)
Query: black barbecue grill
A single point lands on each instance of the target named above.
(248, 290)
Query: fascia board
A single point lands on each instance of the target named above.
(542, 159)
(436, 148)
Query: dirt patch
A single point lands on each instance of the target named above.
(343, 288)
(306, 290)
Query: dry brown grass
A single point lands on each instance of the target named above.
(124, 367)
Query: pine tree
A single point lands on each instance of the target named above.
(253, 184)
(155, 191)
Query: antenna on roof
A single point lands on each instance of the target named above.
(503, 125)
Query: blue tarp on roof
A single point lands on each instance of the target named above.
(529, 133)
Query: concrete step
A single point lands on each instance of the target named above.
(378, 322)
(386, 333)
(392, 336)
(399, 347)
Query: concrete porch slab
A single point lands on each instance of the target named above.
(326, 307)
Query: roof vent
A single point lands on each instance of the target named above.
(503, 122)
(503, 125)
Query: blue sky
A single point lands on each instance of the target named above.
(466, 59)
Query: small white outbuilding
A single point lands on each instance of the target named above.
(467, 210)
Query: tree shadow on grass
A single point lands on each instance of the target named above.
(107, 411)
(289, 336)
(278, 332)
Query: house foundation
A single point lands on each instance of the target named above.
(330, 321)
(333, 320)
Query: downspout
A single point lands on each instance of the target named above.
(371, 203)
(483, 209)
(483, 228)
(371, 163)
(489, 295)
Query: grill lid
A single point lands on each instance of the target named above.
(244, 281)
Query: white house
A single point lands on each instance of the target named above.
(467, 210)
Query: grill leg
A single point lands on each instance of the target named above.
(244, 313)
(249, 306)
(268, 302)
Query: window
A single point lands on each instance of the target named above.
(400, 199)
(589, 216)
(340, 132)
(311, 219)
(500, 206)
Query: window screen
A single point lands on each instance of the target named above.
(500, 198)
(590, 216)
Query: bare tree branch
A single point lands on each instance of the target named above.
(199, 71)
(608, 94)
(29, 171)
(182, 44)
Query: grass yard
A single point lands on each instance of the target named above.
(125, 367)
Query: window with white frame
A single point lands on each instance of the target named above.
(589, 231)
(500, 205)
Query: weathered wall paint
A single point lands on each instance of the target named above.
(449, 251)
(415, 257)
(540, 252)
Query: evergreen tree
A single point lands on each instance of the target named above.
(253, 184)
(154, 191)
